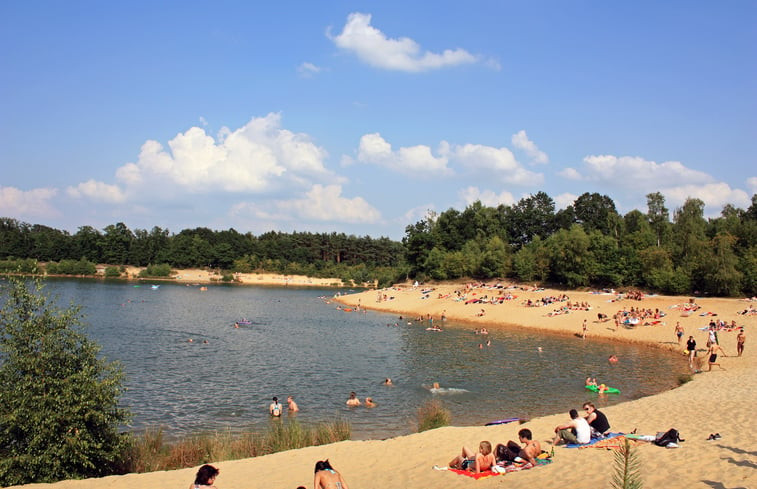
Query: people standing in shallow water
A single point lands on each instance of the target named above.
(327, 478)
(205, 478)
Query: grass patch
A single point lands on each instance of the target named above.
(149, 451)
(432, 415)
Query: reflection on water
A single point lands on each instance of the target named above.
(299, 345)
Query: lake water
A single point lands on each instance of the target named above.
(300, 345)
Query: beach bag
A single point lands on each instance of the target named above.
(670, 436)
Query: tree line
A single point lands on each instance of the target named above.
(590, 244)
(586, 244)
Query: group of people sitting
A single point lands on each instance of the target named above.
(503, 454)
(580, 430)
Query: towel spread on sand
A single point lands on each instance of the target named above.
(593, 441)
(508, 468)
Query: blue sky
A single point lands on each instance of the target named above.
(360, 117)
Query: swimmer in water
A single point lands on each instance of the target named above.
(435, 386)
(613, 359)
(388, 381)
(369, 402)
(353, 400)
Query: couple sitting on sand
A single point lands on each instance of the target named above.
(580, 431)
(503, 454)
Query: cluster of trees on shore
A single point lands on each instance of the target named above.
(590, 244)
(586, 244)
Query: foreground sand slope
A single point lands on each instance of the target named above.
(718, 401)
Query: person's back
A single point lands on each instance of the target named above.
(327, 478)
(275, 408)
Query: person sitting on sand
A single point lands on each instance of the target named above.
(512, 451)
(205, 478)
(576, 431)
(291, 405)
(327, 478)
(353, 400)
(597, 420)
(369, 402)
(475, 462)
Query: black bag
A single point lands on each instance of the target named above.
(670, 436)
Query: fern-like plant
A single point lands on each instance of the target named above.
(627, 468)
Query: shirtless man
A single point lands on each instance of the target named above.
(531, 448)
(291, 405)
(712, 353)
(679, 331)
(740, 338)
(353, 400)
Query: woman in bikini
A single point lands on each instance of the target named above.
(475, 462)
(326, 477)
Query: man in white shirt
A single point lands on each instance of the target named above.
(577, 430)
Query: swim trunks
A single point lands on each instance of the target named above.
(713, 357)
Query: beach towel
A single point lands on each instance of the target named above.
(593, 441)
(516, 467)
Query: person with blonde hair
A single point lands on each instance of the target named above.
(475, 462)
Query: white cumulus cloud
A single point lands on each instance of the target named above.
(417, 160)
(714, 196)
(752, 184)
(489, 198)
(520, 141)
(98, 192)
(257, 157)
(27, 203)
(495, 163)
(401, 54)
(564, 200)
(627, 170)
(321, 203)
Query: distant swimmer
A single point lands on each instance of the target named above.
(613, 359)
(388, 381)
(353, 400)
(436, 385)
(539, 349)
(369, 402)
(190, 340)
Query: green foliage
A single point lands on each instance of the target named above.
(627, 474)
(161, 270)
(112, 272)
(432, 415)
(71, 267)
(24, 266)
(59, 415)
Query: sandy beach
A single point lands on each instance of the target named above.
(206, 277)
(720, 401)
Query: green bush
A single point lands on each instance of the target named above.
(162, 270)
(71, 267)
(27, 266)
(59, 415)
(113, 272)
(432, 415)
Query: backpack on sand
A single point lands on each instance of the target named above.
(670, 436)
